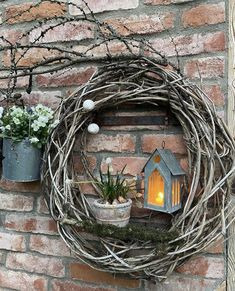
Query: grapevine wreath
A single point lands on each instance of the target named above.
(124, 77)
(210, 149)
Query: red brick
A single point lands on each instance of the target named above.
(85, 188)
(85, 273)
(26, 11)
(115, 48)
(22, 281)
(48, 98)
(173, 283)
(68, 77)
(41, 206)
(208, 267)
(142, 24)
(165, 2)
(11, 35)
(214, 42)
(134, 165)
(70, 31)
(102, 5)
(216, 247)
(204, 14)
(215, 93)
(35, 264)
(48, 246)
(118, 143)
(12, 242)
(22, 82)
(78, 166)
(33, 187)
(211, 67)
(16, 202)
(58, 285)
(31, 57)
(34, 224)
(184, 164)
(174, 142)
(190, 44)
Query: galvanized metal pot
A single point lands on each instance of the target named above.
(118, 214)
(21, 161)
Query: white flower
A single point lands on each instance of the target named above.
(35, 123)
(43, 119)
(16, 120)
(108, 161)
(35, 126)
(41, 124)
(1, 111)
(16, 111)
(34, 140)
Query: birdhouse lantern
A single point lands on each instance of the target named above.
(163, 180)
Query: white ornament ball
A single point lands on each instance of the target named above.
(93, 128)
(88, 105)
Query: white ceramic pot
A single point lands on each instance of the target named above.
(118, 214)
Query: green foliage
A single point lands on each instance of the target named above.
(33, 123)
(112, 187)
(160, 238)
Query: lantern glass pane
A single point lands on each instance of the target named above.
(156, 189)
(175, 192)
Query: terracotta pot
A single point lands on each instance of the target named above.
(118, 214)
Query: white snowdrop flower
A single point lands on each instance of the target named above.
(8, 127)
(108, 161)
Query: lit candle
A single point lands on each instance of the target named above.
(159, 198)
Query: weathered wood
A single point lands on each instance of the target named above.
(135, 120)
(231, 254)
(231, 124)
(211, 150)
(231, 68)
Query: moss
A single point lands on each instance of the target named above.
(131, 232)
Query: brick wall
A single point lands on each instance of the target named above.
(32, 255)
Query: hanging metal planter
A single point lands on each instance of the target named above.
(21, 161)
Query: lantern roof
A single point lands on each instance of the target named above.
(170, 161)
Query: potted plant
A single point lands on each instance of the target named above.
(24, 131)
(114, 206)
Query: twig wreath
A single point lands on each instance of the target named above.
(210, 151)
(127, 77)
